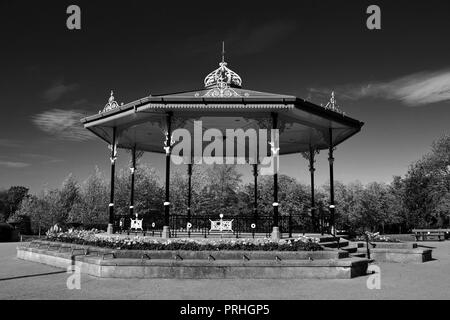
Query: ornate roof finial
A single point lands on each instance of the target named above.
(332, 104)
(223, 77)
(111, 98)
(112, 104)
(223, 51)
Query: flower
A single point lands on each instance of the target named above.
(95, 238)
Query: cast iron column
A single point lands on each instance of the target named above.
(189, 196)
(255, 191)
(168, 148)
(313, 202)
(133, 169)
(275, 230)
(111, 196)
(331, 161)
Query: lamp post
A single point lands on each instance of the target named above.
(275, 229)
(168, 149)
(133, 170)
(255, 194)
(189, 197)
(310, 156)
(331, 163)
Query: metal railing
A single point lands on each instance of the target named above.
(242, 225)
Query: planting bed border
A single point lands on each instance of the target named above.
(403, 252)
(107, 263)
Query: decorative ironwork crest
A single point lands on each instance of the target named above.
(136, 224)
(224, 75)
(221, 225)
(111, 105)
(264, 123)
(222, 91)
(307, 154)
(332, 105)
(222, 80)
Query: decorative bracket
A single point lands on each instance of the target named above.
(113, 149)
(275, 150)
(168, 146)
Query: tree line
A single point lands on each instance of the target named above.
(419, 199)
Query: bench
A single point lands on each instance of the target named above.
(431, 234)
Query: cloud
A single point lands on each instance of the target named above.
(57, 90)
(9, 143)
(417, 89)
(63, 124)
(13, 164)
(41, 157)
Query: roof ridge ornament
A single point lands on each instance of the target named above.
(222, 80)
(111, 105)
(332, 104)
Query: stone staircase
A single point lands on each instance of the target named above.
(340, 242)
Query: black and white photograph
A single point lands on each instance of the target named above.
(223, 156)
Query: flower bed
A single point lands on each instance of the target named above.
(92, 238)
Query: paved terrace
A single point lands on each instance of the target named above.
(27, 280)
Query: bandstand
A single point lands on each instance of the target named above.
(153, 124)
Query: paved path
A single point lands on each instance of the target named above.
(27, 280)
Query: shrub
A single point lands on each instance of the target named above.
(375, 237)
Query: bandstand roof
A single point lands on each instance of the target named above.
(222, 104)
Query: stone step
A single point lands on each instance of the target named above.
(362, 251)
(327, 238)
(358, 255)
(335, 244)
(350, 249)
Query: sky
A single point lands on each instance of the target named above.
(396, 80)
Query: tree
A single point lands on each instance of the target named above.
(219, 193)
(347, 199)
(92, 208)
(149, 193)
(69, 197)
(37, 210)
(293, 197)
(3, 205)
(10, 201)
(397, 205)
(427, 187)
